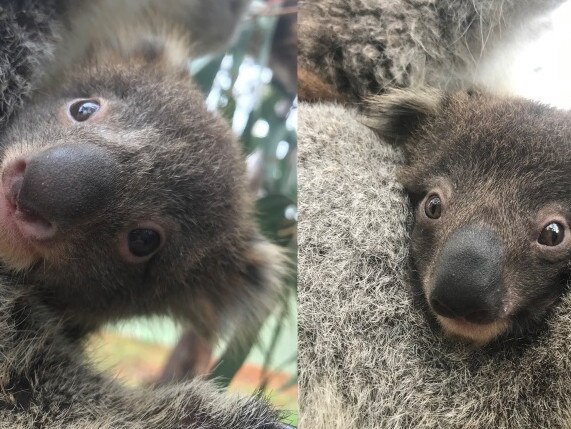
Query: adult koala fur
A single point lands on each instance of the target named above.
(349, 49)
(45, 382)
(369, 355)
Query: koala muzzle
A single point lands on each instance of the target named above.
(63, 184)
(468, 280)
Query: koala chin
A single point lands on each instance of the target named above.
(488, 178)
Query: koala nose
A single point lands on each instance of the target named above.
(62, 184)
(468, 281)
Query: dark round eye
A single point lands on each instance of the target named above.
(552, 234)
(83, 109)
(433, 207)
(143, 241)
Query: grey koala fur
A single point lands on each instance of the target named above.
(369, 356)
(46, 382)
(28, 33)
(360, 47)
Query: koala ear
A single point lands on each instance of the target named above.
(395, 115)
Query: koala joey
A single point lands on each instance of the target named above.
(122, 196)
(488, 179)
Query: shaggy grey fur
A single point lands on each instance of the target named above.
(363, 46)
(28, 33)
(368, 357)
(46, 383)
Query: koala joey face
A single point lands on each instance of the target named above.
(489, 179)
(115, 185)
(52, 190)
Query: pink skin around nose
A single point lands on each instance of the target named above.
(28, 225)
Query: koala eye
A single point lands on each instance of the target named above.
(82, 110)
(143, 241)
(552, 234)
(433, 206)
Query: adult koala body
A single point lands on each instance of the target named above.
(45, 382)
(349, 49)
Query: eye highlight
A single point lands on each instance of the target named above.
(433, 206)
(552, 234)
(82, 110)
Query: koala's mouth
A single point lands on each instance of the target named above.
(24, 234)
(478, 327)
(19, 216)
(476, 333)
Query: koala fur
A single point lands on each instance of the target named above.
(349, 49)
(369, 356)
(29, 34)
(151, 149)
(45, 382)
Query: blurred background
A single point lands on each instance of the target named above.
(253, 86)
(536, 64)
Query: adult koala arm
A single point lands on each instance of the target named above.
(46, 382)
(369, 357)
(349, 49)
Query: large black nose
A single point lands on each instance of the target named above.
(64, 183)
(468, 280)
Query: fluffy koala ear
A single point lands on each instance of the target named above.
(395, 115)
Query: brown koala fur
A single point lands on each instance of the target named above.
(173, 164)
(476, 157)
